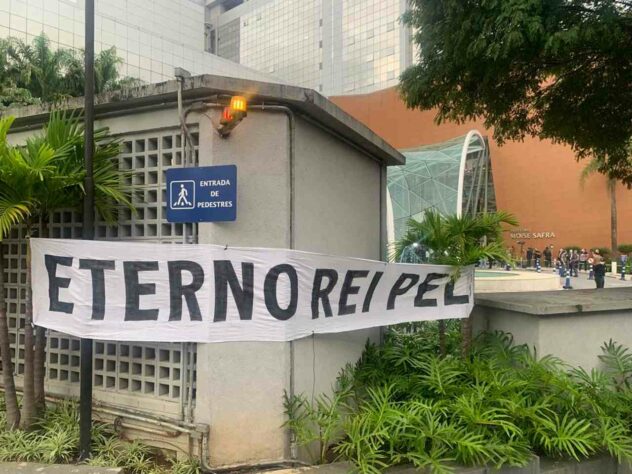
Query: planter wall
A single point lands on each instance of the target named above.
(600, 465)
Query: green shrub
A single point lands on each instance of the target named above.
(625, 248)
(604, 251)
(499, 406)
(55, 439)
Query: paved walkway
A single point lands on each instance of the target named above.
(583, 283)
(32, 468)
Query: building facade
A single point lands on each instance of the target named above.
(332, 46)
(222, 402)
(536, 180)
(150, 41)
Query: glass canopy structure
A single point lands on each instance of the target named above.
(453, 177)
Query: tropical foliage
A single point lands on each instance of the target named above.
(35, 72)
(55, 439)
(590, 169)
(457, 241)
(45, 175)
(553, 69)
(498, 406)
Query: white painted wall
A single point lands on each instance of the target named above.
(549, 334)
(337, 201)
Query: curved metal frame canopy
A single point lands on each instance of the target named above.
(453, 177)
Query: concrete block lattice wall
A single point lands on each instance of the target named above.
(146, 376)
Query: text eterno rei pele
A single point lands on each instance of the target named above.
(349, 285)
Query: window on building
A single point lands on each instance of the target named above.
(210, 39)
(230, 4)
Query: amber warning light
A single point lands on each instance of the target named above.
(239, 103)
(232, 115)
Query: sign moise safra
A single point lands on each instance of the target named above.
(526, 234)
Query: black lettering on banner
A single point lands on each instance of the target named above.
(97, 270)
(177, 290)
(348, 289)
(134, 290)
(404, 283)
(270, 292)
(425, 287)
(55, 283)
(225, 276)
(319, 293)
(451, 298)
(366, 306)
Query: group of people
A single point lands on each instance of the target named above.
(570, 260)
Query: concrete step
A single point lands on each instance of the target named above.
(34, 468)
(597, 465)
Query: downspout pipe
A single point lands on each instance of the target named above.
(291, 231)
(204, 440)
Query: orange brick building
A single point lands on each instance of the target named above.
(536, 180)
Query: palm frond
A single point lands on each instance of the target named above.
(12, 214)
(455, 241)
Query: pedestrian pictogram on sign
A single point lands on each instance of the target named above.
(202, 194)
(184, 191)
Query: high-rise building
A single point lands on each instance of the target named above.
(333, 46)
(151, 36)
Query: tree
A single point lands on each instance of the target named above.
(31, 73)
(553, 69)
(11, 74)
(458, 242)
(591, 168)
(13, 210)
(45, 69)
(22, 170)
(64, 133)
(47, 175)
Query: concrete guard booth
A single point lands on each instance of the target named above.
(310, 178)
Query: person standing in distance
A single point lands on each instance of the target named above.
(548, 254)
(599, 268)
(583, 260)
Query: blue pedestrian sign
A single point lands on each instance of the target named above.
(202, 194)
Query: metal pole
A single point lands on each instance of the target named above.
(85, 400)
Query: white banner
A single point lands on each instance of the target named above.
(128, 291)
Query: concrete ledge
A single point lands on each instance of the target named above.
(206, 86)
(33, 468)
(599, 465)
(542, 303)
(602, 465)
(345, 468)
